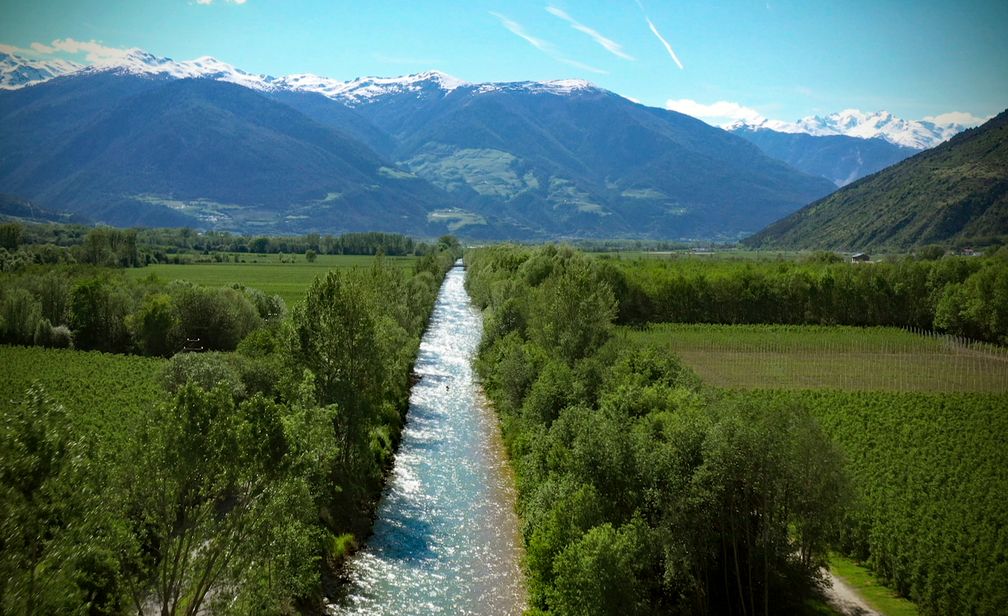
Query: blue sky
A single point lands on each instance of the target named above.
(776, 59)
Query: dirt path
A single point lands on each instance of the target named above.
(843, 598)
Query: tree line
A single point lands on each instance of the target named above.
(963, 296)
(256, 474)
(22, 244)
(640, 492)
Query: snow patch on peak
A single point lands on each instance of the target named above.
(17, 72)
(366, 89)
(559, 87)
(919, 134)
(562, 86)
(139, 62)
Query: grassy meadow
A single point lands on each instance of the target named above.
(264, 272)
(881, 598)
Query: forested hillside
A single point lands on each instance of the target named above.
(955, 193)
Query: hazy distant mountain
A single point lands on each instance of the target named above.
(957, 191)
(141, 142)
(918, 134)
(838, 158)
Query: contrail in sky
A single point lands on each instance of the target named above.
(660, 37)
(610, 45)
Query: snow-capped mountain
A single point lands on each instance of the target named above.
(17, 72)
(139, 62)
(919, 134)
(129, 141)
(365, 89)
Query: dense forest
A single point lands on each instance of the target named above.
(252, 474)
(638, 493)
(642, 490)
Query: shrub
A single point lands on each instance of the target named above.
(219, 318)
(205, 370)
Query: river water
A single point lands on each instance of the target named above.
(446, 538)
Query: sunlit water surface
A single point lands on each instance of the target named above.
(446, 538)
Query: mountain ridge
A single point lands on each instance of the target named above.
(917, 134)
(838, 158)
(956, 192)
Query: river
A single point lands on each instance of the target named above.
(446, 537)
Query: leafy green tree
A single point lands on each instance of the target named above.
(203, 484)
(602, 572)
(334, 334)
(10, 236)
(98, 311)
(155, 326)
(35, 503)
(20, 316)
(310, 255)
(53, 291)
(218, 317)
(573, 312)
(204, 370)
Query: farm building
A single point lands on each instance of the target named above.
(860, 257)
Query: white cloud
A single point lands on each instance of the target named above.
(956, 117)
(93, 50)
(5, 48)
(664, 42)
(719, 112)
(608, 44)
(544, 46)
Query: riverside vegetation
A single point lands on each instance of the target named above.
(230, 480)
(643, 490)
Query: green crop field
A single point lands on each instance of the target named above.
(821, 357)
(97, 389)
(927, 512)
(264, 272)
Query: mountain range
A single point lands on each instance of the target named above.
(839, 158)
(151, 141)
(916, 134)
(955, 193)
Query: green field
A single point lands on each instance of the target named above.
(97, 389)
(821, 357)
(264, 272)
(927, 513)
